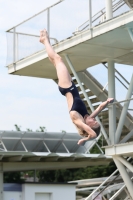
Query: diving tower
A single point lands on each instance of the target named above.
(108, 42)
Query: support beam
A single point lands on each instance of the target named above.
(124, 175)
(109, 9)
(125, 162)
(1, 181)
(127, 137)
(90, 196)
(111, 94)
(130, 33)
(117, 193)
(86, 96)
(124, 112)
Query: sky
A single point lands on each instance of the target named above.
(26, 101)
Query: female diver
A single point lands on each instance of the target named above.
(86, 124)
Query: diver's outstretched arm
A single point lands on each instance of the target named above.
(101, 107)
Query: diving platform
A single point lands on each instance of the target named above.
(110, 40)
(50, 151)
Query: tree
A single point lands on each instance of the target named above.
(17, 127)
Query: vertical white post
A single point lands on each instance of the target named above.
(14, 45)
(109, 9)
(1, 181)
(35, 175)
(90, 14)
(111, 94)
(124, 176)
(48, 21)
(124, 111)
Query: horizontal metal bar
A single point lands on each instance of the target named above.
(24, 34)
(120, 101)
(49, 139)
(51, 38)
(36, 15)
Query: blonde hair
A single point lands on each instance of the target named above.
(85, 134)
(82, 132)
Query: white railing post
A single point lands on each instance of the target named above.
(14, 45)
(48, 21)
(90, 13)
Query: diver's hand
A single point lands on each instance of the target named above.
(110, 100)
(80, 141)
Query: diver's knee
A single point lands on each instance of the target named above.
(57, 58)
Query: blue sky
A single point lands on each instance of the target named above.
(26, 101)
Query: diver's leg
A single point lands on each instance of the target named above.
(62, 72)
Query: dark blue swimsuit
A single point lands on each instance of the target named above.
(78, 104)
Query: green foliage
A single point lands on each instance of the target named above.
(17, 127)
(66, 175)
(95, 150)
(42, 129)
(13, 177)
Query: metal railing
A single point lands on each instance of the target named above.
(16, 33)
(101, 15)
(18, 51)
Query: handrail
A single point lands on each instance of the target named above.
(101, 13)
(15, 34)
(35, 15)
(120, 76)
(19, 33)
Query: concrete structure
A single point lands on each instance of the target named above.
(40, 191)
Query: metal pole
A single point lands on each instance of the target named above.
(87, 99)
(14, 45)
(117, 193)
(35, 175)
(120, 102)
(1, 181)
(48, 21)
(125, 162)
(127, 137)
(90, 13)
(111, 94)
(124, 175)
(124, 111)
(90, 196)
(109, 9)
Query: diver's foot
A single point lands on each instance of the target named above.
(43, 36)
